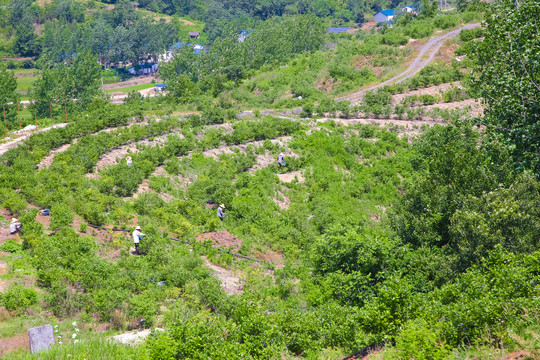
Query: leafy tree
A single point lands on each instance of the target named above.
(61, 83)
(8, 94)
(506, 76)
(26, 43)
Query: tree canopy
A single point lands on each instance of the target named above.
(507, 77)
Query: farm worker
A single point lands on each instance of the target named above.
(137, 234)
(220, 212)
(15, 226)
(281, 160)
(129, 162)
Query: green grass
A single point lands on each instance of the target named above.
(26, 82)
(132, 88)
(93, 349)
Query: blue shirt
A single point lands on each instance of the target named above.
(220, 212)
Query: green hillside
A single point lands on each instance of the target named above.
(371, 194)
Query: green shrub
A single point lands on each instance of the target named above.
(394, 38)
(10, 246)
(12, 201)
(61, 216)
(446, 21)
(417, 341)
(18, 298)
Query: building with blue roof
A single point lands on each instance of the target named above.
(384, 16)
(243, 35)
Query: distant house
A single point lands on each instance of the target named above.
(194, 34)
(337, 30)
(410, 10)
(135, 4)
(243, 35)
(168, 55)
(384, 16)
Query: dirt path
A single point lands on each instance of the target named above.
(229, 149)
(136, 81)
(424, 57)
(230, 283)
(431, 90)
(111, 157)
(24, 136)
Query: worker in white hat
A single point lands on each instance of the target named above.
(281, 160)
(137, 235)
(129, 161)
(221, 212)
(15, 226)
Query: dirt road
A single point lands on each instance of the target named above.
(424, 57)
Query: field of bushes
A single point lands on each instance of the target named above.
(370, 241)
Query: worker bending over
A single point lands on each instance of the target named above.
(15, 226)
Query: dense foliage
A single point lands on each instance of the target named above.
(506, 77)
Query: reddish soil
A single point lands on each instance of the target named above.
(368, 25)
(136, 81)
(275, 258)
(289, 177)
(222, 238)
(521, 355)
(21, 75)
(14, 343)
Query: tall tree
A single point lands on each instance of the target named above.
(77, 84)
(507, 77)
(8, 93)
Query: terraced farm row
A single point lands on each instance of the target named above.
(337, 170)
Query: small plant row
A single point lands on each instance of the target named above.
(124, 180)
(87, 151)
(64, 181)
(99, 117)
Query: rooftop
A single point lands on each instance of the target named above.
(388, 12)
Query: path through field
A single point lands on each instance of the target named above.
(424, 57)
(5, 147)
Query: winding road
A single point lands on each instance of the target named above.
(430, 49)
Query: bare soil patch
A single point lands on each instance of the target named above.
(289, 177)
(22, 75)
(116, 154)
(230, 283)
(476, 107)
(368, 25)
(47, 160)
(230, 149)
(132, 82)
(14, 343)
(281, 200)
(274, 257)
(222, 238)
(431, 90)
